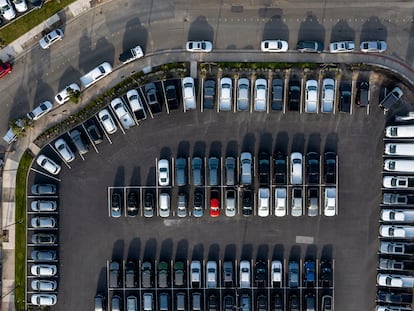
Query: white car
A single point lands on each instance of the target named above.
(211, 271)
(395, 182)
(330, 202)
(395, 280)
(311, 96)
(397, 215)
(40, 110)
(296, 168)
(260, 95)
(395, 248)
(107, 121)
(43, 206)
(20, 5)
(225, 97)
(280, 202)
(6, 10)
(342, 47)
(199, 46)
(163, 172)
(122, 113)
(274, 46)
(244, 274)
(195, 272)
(43, 270)
(96, 74)
(392, 308)
(276, 272)
(64, 95)
(263, 204)
(44, 285)
(328, 95)
(373, 46)
(43, 222)
(189, 99)
(64, 150)
(230, 203)
(50, 38)
(136, 105)
(43, 299)
(402, 232)
(243, 90)
(164, 205)
(48, 164)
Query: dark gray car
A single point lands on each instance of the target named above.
(213, 174)
(310, 46)
(209, 94)
(152, 98)
(181, 171)
(79, 141)
(197, 171)
(277, 94)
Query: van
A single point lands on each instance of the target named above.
(116, 303)
(400, 131)
(196, 302)
(398, 149)
(79, 141)
(398, 165)
(163, 303)
(147, 302)
(99, 303)
(180, 302)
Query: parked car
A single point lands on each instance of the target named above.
(260, 95)
(209, 93)
(247, 202)
(43, 222)
(211, 274)
(396, 231)
(330, 202)
(330, 167)
(94, 132)
(263, 202)
(43, 255)
(327, 303)
(195, 273)
(171, 95)
(130, 274)
(64, 150)
(294, 95)
(107, 121)
(326, 274)
(260, 273)
(277, 94)
(276, 274)
(179, 274)
(78, 139)
(313, 202)
(228, 303)
(328, 95)
(43, 270)
(152, 98)
(394, 297)
(20, 5)
(163, 172)
(394, 199)
(274, 46)
(43, 285)
(397, 215)
(162, 274)
(230, 169)
(197, 171)
(312, 161)
(5, 68)
(228, 279)
(199, 46)
(243, 94)
(293, 274)
(296, 168)
(310, 46)
(244, 274)
(164, 205)
(131, 54)
(230, 203)
(40, 110)
(310, 273)
(181, 171)
(214, 203)
(246, 168)
(373, 46)
(136, 105)
(279, 169)
(189, 98)
(182, 205)
(50, 38)
(43, 238)
(395, 280)
(198, 203)
(148, 204)
(43, 206)
(396, 248)
(43, 189)
(48, 164)
(311, 96)
(264, 169)
(43, 299)
(225, 97)
(132, 203)
(64, 95)
(280, 202)
(297, 202)
(342, 46)
(213, 173)
(122, 113)
(345, 97)
(7, 10)
(362, 98)
(146, 274)
(116, 205)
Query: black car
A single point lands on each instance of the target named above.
(198, 201)
(264, 169)
(390, 297)
(116, 205)
(261, 273)
(312, 161)
(94, 132)
(277, 303)
(152, 98)
(261, 303)
(310, 46)
(212, 303)
(294, 95)
(345, 97)
(209, 94)
(132, 204)
(362, 99)
(326, 273)
(327, 303)
(279, 169)
(149, 204)
(171, 95)
(293, 303)
(247, 199)
(277, 95)
(330, 167)
(228, 303)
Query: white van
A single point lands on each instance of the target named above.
(400, 131)
(399, 149)
(398, 165)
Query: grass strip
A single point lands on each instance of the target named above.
(20, 226)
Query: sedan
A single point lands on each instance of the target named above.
(94, 133)
(244, 274)
(330, 167)
(44, 285)
(43, 299)
(296, 168)
(64, 95)
(243, 91)
(20, 5)
(311, 96)
(328, 95)
(40, 110)
(373, 46)
(64, 150)
(107, 121)
(214, 203)
(5, 68)
(198, 202)
(171, 95)
(163, 172)
(312, 161)
(43, 206)
(294, 95)
(43, 270)
(43, 238)
(136, 104)
(116, 205)
(209, 93)
(330, 202)
(342, 47)
(199, 46)
(132, 204)
(164, 205)
(225, 100)
(148, 204)
(263, 202)
(189, 94)
(297, 202)
(122, 113)
(7, 10)
(277, 95)
(310, 46)
(276, 272)
(50, 38)
(231, 202)
(274, 46)
(345, 97)
(260, 95)
(48, 164)
(280, 202)
(43, 255)
(42, 189)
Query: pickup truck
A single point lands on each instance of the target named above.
(398, 182)
(131, 55)
(402, 232)
(395, 280)
(391, 99)
(392, 264)
(96, 74)
(396, 248)
(394, 199)
(397, 215)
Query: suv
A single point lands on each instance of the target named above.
(179, 275)
(152, 99)
(146, 274)
(163, 274)
(230, 164)
(114, 274)
(213, 175)
(260, 273)
(264, 169)
(130, 274)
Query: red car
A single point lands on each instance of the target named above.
(214, 204)
(5, 68)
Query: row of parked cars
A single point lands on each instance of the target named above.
(394, 279)
(43, 259)
(9, 8)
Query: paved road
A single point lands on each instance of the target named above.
(102, 33)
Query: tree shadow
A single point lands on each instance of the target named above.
(200, 29)
(342, 31)
(275, 28)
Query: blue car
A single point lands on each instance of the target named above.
(310, 268)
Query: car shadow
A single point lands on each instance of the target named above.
(311, 30)
(275, 28)
(373, 30)
(135, 34)
(200, 29)
(342, 31)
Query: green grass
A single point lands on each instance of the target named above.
(264, 65)
(20, 255)
(19, 27)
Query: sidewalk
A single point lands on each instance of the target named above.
(151, 60)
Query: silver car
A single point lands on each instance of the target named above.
(164, 205)
(51, 38)
(243, 91)
(43, 222)
(64, 150)
(43, 299)
(41, 189)
(328, 95)
(44, 285)
(182, 205)
(231, 202)
(40, 110)
(225, 98)
(43, 255)
(43, 270)
(43, 206)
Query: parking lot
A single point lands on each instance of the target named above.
(88, 237)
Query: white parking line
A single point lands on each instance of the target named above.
(44, 174)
